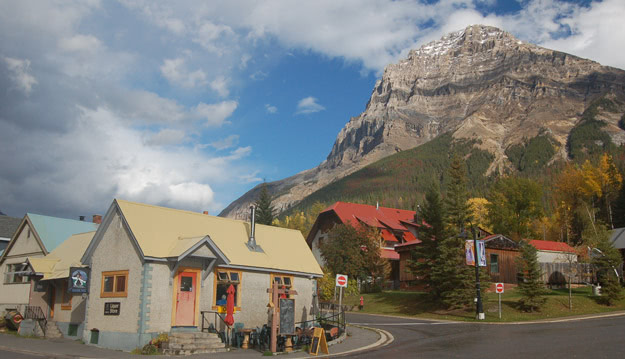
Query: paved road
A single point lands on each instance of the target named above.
(12, 355)
(590, 338)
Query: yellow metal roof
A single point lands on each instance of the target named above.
(56, 264)
(164, 232)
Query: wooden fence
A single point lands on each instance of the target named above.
(558, 273)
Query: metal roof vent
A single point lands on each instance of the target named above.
(251, 243)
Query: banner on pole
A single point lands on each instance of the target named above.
(481, 253)
(469, 251)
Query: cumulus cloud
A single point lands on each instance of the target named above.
(271, 109)
(215, 114)
(166, 136)
(20, 74)
(220, 85)
(175, 71)
(308, 105)
(225, 143)
(79, 43)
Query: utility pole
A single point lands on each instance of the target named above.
(479, 308)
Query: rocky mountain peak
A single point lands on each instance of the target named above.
(477, 83)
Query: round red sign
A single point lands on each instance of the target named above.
(341, 280)
(499, 287)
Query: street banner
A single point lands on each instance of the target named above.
(469, 252)
(481, 253)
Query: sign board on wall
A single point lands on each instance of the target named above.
(341, 280)
(78, 280)
(112, 308)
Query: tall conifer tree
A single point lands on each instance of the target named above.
(264, 206)
(531, 286)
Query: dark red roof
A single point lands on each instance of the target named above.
(389, 254)
(381, 217)
(552, 246)
(388, 236)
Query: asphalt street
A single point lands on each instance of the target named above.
(590, 338)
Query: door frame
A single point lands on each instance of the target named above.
(198, 285)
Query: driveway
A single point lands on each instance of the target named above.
(589, 338)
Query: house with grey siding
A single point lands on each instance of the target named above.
(161, 270)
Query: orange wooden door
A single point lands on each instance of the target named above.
(52, 300)
(185, 299)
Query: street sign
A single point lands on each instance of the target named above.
(341, 280)
(499, 288)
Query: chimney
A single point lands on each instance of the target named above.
(251, 243)
(205, 212)
(377, 205)
(81, 218)
(416, 215)
(97, 219)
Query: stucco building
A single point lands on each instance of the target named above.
(35, 237)
(156, 269)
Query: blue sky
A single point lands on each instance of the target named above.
(189, 104)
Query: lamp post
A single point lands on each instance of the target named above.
(479, 308)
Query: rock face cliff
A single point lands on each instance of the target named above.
(479, 83)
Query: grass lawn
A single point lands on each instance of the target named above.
(415, 304)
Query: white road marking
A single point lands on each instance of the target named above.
(400, 324)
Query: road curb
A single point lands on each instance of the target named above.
(386, 338)
(539, 321)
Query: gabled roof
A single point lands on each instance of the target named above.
(348, 213)
(8, 226)
(617, 238)
(56, 264)
(167, 233)
(53, 231)
(552, 246)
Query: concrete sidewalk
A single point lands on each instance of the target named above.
(357, 339)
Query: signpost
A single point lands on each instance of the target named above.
(499, 290)
(275, 308)
(341, 281)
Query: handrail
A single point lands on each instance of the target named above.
(36, 313)
(226, 339)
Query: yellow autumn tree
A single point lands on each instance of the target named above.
(610, 181)
(479, 210)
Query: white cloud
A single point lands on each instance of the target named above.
(215, 114)
(166, 136)
(175, 71)
(308, 105)
(79, 43)
(20, 74)
(227, 142)
(220, 85)
(271, 109)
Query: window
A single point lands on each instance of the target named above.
(223, 279)
(283, 281)
(67, 298)
(15, 273)
(114, 284)
(494, 263)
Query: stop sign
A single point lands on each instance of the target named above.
(341, 280)
(499, 288)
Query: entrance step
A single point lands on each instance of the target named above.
(187, 343)
(52, 331)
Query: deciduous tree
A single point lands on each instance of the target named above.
(513, 204)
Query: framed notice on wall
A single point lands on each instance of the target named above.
(112, 308)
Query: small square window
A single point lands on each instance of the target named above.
(108, 283)
(278, 280)
(223, 275)
(234, 276)
(114, 284)
(186, 284)
(287, 281)
(120, 284)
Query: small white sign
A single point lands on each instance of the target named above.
(499, 288)
(341, 280)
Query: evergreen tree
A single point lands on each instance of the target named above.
(456, 202)
(426, 253)
(531, 286)
(606, 260)
(264, 207)
(454, 280)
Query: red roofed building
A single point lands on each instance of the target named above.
(554, 252)
(396, 226)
